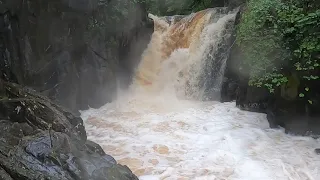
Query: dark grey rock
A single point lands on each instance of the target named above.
(53, 144)
(71, 50)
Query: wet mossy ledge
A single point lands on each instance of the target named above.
(41, 140)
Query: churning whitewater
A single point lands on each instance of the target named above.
(161, 129)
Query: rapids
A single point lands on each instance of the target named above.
(161, 129)
(207, 140)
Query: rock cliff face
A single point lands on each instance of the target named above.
(72, 51)
(40, 140)
(283, 107)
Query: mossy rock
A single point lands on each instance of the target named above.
(290, 90)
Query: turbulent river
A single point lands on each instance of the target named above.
(162, 129)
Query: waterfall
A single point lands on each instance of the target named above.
(187, 54)
(161, 128)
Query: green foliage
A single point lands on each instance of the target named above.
(259, 38)
(278, 35)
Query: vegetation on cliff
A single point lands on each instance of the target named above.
(280, 41)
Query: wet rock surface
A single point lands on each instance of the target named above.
(296, 115)
(63, 48)
(40, 140)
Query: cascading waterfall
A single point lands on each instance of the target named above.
(162, 129)
(187, 54)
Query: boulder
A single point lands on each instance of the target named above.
(41, 140)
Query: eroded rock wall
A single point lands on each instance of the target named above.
(72, 51)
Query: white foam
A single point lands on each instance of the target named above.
(206, 140)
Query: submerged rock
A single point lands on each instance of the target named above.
(40, 140)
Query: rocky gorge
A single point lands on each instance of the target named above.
(75, 54)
